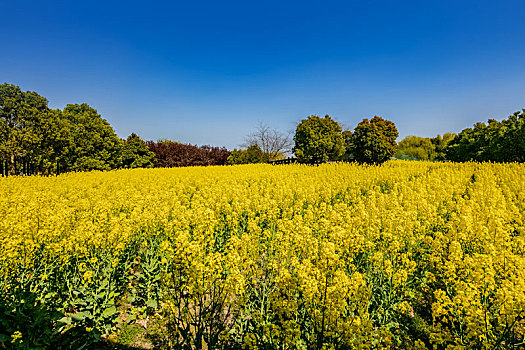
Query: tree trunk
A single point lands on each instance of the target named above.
(12, 165)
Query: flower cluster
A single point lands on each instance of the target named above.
(404, 255)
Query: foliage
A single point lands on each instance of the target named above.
(35, 139)
(407, 255)
(136, 154)
(21, 128)
(495, 141)
(420, 148)
(318, 140)
(374, 141)
(348, 137)
(440, 144)
(424, 148)
(170, 154)
(253, 154)
(38, 140)
(93, 142)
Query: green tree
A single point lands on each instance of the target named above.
(136, 154)
(480, 143)
(318, 140)
(93, 144)
(495, 141)
(416, 147)
(441, 143)
(374, 140)
(348, 138)
(512, 137)
(21, 121)
(51, 134)
(252, 154)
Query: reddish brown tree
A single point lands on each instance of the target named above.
(169, 154)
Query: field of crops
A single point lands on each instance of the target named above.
(407, 255)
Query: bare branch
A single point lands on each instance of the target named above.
(271, 141)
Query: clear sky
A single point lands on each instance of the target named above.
(206, 72)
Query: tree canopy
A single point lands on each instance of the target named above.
(495, 141)
(35, 139)
(374, 140)
(94, 145)
(24, 118)
(175, 154)
(136, 154)
(416, 147)
(424, 148)
(253, 154)
(318, 140)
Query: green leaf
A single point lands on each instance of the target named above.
(152, 303)
(79, 302)
(80, 316)
(65, 320)
(110, 311)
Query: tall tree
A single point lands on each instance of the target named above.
(20, 114)
(318, 140)
(136, 154)
(51, 134)
(374, 140)
(93, 144)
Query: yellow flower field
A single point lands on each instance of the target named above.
(337, 256)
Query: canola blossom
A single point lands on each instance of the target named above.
(409, 255)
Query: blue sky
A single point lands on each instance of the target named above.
(207, 72)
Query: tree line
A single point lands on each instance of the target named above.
(35, 139)
(318, 140)
(494, 141)
(373, 141)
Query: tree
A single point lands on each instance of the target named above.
(52, 134)
(136, 154)
(318, 140)
(252, 154)
(374, 140)
(495, 141)
(416, 147)
(441, 143)
(93, 144)
(348, 138)
(175, 154)
(271, 142)
(512, 137)
(20, 126)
